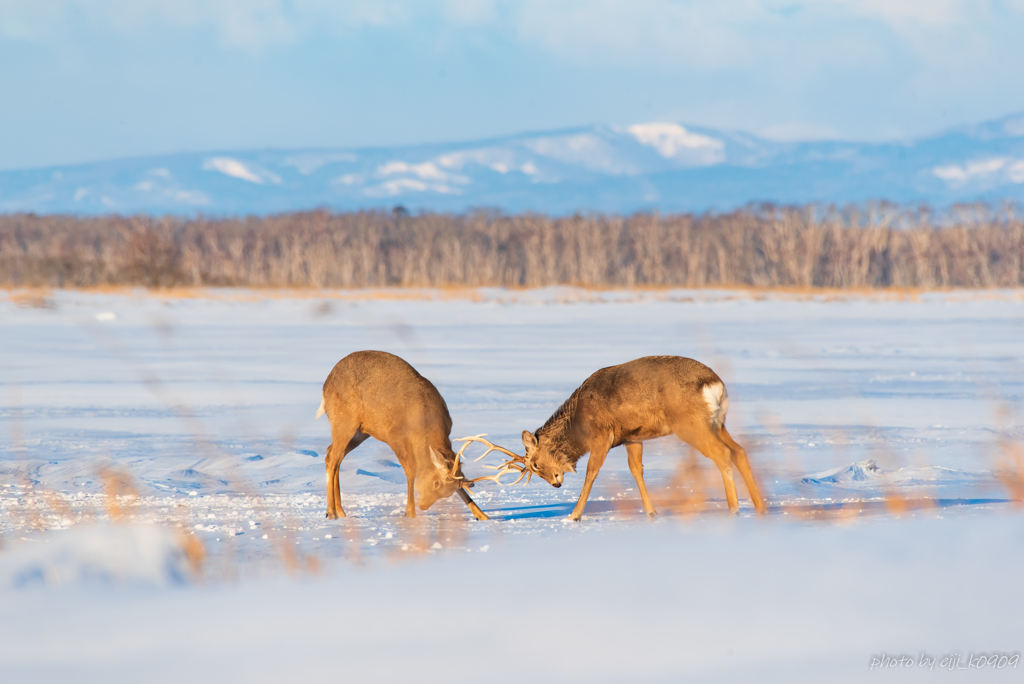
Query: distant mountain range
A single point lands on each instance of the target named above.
(653, 166)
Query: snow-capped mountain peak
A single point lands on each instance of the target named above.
(664, 166)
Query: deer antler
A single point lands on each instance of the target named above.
(516, 464)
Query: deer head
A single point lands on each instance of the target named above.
(546, 457)
(441, 479)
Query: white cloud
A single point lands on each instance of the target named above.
(471, 12)
(705, 33)
(717, 34)
(249, 25)
(910, 13)
(787, 131)
(862, 68)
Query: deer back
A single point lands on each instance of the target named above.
(388, 398)
(634, 401)
(643, 399)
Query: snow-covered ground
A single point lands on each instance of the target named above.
(162, 491)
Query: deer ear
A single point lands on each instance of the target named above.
(529, 440)
(435, 456)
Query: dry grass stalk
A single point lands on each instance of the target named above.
(686, 492)
(119, 491)
(195, 552)
(1010, 469)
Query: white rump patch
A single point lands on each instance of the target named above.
(320, 411)
(718, 402)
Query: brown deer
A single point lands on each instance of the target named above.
(376, 394)
(633, 402)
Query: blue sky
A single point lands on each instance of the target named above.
(83, 80)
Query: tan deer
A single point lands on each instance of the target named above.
(633, 402)
(376, 394)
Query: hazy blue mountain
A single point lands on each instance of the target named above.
(663, 166)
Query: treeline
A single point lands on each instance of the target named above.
(759, 247)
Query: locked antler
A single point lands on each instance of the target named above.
(515, 464)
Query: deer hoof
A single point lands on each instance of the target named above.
(653, 515)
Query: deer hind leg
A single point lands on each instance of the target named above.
(351, 437)
(739, 458)
(704, 440)
(635, 454)
(594, 463)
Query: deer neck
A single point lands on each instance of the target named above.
(424, 462)
(564, 437)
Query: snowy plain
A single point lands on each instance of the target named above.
(876, 424)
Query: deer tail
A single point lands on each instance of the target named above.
(320, 411)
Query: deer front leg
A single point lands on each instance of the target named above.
(635, 454)
(594, 464)
(409, 466)
(410, 501)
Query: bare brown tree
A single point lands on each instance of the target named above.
(863, 247)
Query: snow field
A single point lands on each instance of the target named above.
(162, 490)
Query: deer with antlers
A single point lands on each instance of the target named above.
(376, 394)
(629, 404)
